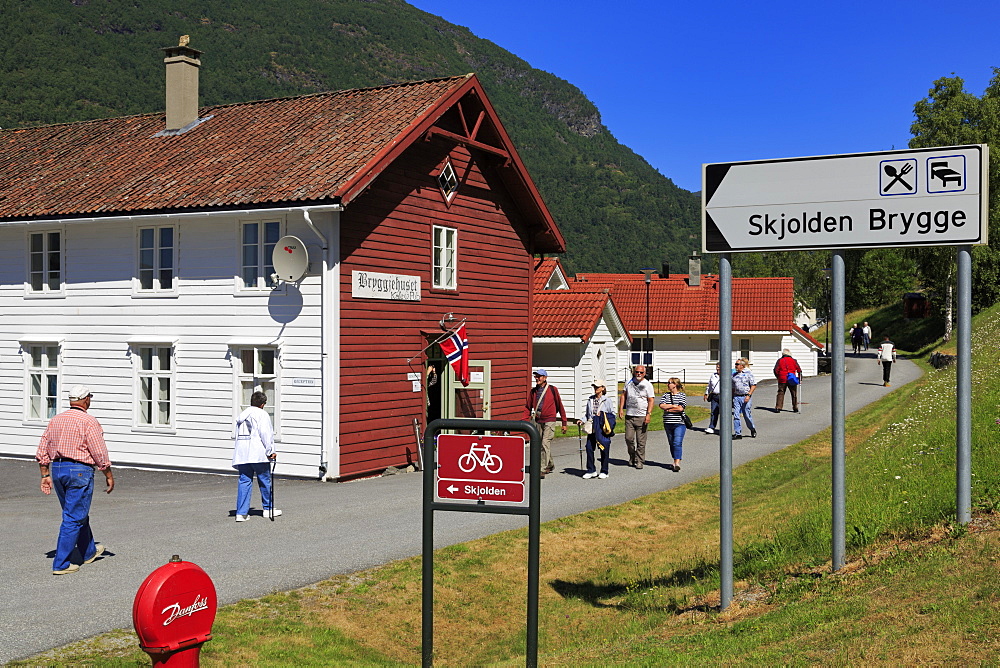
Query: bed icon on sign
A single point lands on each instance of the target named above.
(946, 174)
(898, 177)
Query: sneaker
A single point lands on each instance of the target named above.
(709, 430)
(267, 512)
(589, 475)
(737, 437)
(99, 552)
(72, 568)
(753, 433)
(242, 518)
(886, 385)
(796, 410)
(602, 476)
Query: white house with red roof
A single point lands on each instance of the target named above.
(137, 256)
(682, 320)
(578, 337)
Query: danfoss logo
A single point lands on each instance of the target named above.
(176, 611)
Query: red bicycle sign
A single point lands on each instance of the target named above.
(489, 468)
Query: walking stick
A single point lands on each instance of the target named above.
(274, 464)
(579, 438)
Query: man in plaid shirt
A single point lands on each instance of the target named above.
(71, 448)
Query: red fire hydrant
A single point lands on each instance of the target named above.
(173, 613)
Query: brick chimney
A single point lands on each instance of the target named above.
(694, 269)
(182, 84)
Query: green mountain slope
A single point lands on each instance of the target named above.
(70, 60)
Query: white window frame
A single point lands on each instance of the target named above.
(644, 351)
(46, 257)
(156, 373)
(157, 289)
(713, 349)
(31, 370)
(257, 379)
(448, 181)
(262, 266)
(749, 349)
(444, 258)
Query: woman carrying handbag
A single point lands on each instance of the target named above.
(599, 425)
(675, 419)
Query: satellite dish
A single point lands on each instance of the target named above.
(290, 259)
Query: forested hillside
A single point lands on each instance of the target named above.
(71, 60)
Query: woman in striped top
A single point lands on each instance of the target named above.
(673, 402)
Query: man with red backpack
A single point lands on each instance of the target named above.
(789, 375)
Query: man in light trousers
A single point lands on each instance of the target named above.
(636, 407)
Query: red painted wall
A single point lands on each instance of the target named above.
(388, 229)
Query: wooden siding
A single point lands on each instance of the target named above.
(686, 356)
(388, 230)
(98, 315)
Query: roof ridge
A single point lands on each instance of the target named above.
(331, 93)
(152, 114)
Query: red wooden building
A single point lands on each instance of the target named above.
(139, 260)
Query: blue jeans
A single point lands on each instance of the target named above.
(675, 437)
(74, 484)
(742, 406)
(247, 471)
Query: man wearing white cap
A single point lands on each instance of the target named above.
(71, 448)
(543, 407)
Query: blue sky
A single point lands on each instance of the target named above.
(685, 83)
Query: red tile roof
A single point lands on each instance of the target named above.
(561, 313)
(311, 149)
(544, 269)
(759, 304)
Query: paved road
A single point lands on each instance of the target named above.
(327, 528)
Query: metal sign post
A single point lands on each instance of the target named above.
(725, 431)
(890, 199)
(484, 459)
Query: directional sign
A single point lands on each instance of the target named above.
(488, 468)
(503, 492)
(918, 197)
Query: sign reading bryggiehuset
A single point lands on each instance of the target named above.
(917, 197)
(373, 285)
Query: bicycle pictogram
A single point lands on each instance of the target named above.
(481, 455)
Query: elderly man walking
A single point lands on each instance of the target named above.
(744, 385)
(544, 407)
(71, 448)
(789, 375)
(636, 407)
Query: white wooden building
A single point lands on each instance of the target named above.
(673, 320)
(136, 257)
(578, 338)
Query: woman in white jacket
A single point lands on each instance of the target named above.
(252, 456)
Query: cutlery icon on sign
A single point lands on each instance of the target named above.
(897, 177)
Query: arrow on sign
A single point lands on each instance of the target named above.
(452, 489)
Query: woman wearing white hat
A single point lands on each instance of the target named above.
(599, 423)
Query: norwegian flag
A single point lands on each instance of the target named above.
(456, 349)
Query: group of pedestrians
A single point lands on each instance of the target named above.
(635, 408)
(73, 447)
(861, 337)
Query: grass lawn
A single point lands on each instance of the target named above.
(637, 584)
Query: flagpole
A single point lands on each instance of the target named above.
(443, 337)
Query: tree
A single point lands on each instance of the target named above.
(949, 116)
